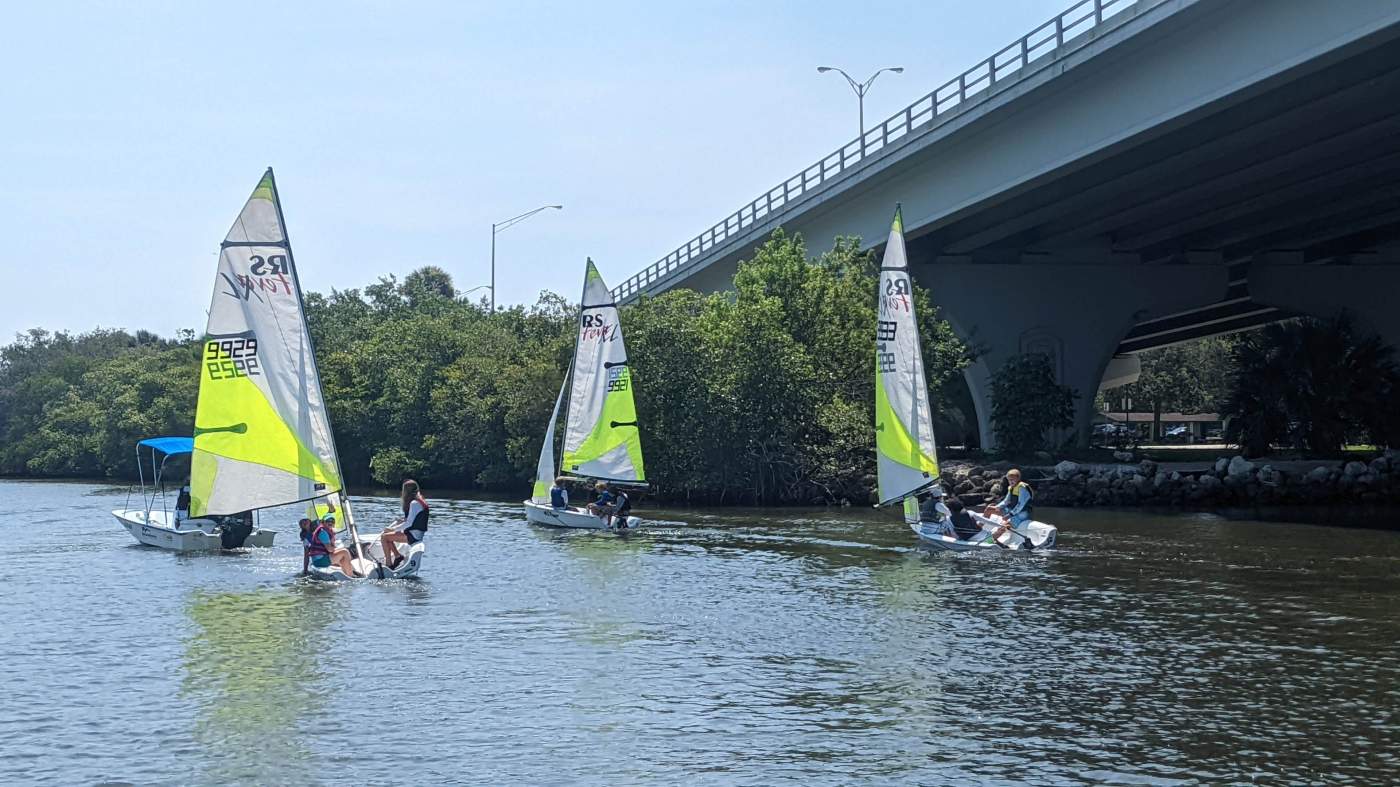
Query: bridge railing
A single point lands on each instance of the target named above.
(922, 116)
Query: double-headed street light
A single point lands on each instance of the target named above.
(860, 88)
(502, 226)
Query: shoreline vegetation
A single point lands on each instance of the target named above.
(760, 396)
(757, 396)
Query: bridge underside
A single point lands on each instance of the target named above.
(1240, 214)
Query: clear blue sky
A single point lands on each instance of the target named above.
(400, 131)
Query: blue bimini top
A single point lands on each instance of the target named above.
(170, 446)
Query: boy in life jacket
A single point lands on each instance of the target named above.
(1015, 507)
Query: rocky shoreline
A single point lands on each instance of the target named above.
(1236, 481)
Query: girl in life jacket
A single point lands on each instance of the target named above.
(321, 548)
(410, 529)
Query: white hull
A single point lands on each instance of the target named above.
(192, 535)
(539, 514)
(372, 565)
(1042, 536)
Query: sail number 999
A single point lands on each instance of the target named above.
(229, 358)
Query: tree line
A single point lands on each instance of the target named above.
(760, 395)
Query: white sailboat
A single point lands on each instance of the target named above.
(602, 440)
(262, 434)
(905, 453)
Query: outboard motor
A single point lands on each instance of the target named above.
(234, 530)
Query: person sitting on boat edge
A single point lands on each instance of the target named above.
(559, 494)
(602, 507)
(1015, 507)
(410, 529)
(322, 550)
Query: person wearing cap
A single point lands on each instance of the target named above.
(933, 511)
(322, 550)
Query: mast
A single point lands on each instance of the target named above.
(315, 370)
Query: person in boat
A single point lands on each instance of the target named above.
(602, 507)
(408, 530)
(1015, 507)
(933, 511)
(622, 507)
(964, 527)
(182, 504)
(305, 528)
(321, 548)
(559, 494)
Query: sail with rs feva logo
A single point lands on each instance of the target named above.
(262, 436)
(904, 446)
(601, 436)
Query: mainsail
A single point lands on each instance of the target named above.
(904, 450)
(601, 439)
(544, 474)
(262, 436)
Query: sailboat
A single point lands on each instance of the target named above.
(905, 452)
(262, 435)
(602, 441)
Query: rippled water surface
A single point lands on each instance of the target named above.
(733, 647)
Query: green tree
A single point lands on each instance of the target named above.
(1313, 383)
(1027, 403)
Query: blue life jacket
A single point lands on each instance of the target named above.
(558, 498)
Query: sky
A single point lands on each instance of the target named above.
(133, 132)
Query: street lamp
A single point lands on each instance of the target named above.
(860, 88)
(465, 293)
(502, 226)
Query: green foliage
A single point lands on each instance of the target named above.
(1315, 384)
(765, 394)
(75, 406)
(1027, 403)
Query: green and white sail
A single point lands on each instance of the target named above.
(601, 438)
(904, 446)
(262, 436)
(544, 473)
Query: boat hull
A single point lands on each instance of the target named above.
(548, 516)
(1042, 536)
(155, 529)
(372, 565)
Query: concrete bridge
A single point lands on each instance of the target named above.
(1127, 176)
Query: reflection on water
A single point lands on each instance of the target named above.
(744, 646)
(254, 667)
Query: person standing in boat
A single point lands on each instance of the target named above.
(1015, 507)
(182, 505)
(410, 529)
(622, 508)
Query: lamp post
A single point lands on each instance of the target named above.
(502, 226)
(860, 88)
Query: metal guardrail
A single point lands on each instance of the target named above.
(922, 116)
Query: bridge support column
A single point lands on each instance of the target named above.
(1367, 290)
(1077, 314)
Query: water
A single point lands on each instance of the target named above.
(745, 647)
